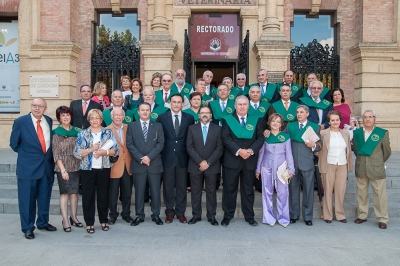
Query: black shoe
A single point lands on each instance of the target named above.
(29, 235)
(213, 222)
(259, 190)
(137, 221)
(157, 220)
(194, 220)
(251, 222)
(112, 220)
(308, 223)
(78, 224)
(293, 221)
(146, 200)
(49, 228)
(127, 219)
(225, 222)
(66, 229)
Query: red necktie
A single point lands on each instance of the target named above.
(41, 136)
(166, 97)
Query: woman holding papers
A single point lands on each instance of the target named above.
(276, 153)
(334, 163)
(93, 147)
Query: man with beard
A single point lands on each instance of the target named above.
(185, 89)
(205, 148)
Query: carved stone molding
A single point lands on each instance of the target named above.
(315, 5)
(249, 11)
(115, 6)
(181, 11)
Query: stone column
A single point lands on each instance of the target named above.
(181, 22)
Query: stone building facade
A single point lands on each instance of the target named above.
(57, 37)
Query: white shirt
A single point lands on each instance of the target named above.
(208, 89)
(309, 92)
(337, 149)
(147, 123)
(124, 93)
(240, 118)
(97, 163)
(179, 117)
(367, 133)
(45, 128)
(152, 106)
(320, 111)
(253, 103)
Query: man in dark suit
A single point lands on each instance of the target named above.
(31, 138)
(175, 159)
(145, 141)
(205, 148)
(242, 136)
(80, 108)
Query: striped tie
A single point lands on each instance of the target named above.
(176, 125)
(145, 131)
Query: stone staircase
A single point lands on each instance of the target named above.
(9, 198)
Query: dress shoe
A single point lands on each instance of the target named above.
(293, 221)
(251, 222)
(77, 224)
(213, 222)
(169, 219)
(157, 220)
(112, 220)
(284, 225)
(48, 227)
(29, 235)
(127, 219)
(66, 229)
(359, 221)
(308, 223)
(259, 190)
(343, 221)
(182, 218)
(382, 225)
(137, 221)
(194, 220)
(225, 222)
(328, 221)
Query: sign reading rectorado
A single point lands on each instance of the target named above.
(215, 2)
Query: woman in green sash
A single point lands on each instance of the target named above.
(275, 152)
(132, 101)
(195, 102)
(66, 166)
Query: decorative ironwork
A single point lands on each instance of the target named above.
(187, 59)
(314, 58)
(244, 58)
(110, 62)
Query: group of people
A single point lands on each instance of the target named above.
(179, 137)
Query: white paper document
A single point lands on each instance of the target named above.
(283, 173)
(108, 145)
(310, 135)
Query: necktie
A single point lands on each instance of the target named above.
(255, 106)
(223, 106)
(286, 105)
(243, 123)
(41, 136)
(84, 107)
(176, 125)
(145, 131)
(166, 97)
(301, 127)
(204, 134)
(262, 90)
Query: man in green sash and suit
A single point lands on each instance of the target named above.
(288, 77)
(242, 137)
(285, 107)
(117, 101)
(155, 109)
(200, 86)
(185, 89)
(208, 77)
(325, 93)
(303, 156)
(163, 95)
(372, 149)
(268, 90)
(241, 84)
(221, 107)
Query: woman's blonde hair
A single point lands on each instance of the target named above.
(94, 112)
(97, 88)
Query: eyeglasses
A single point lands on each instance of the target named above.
(116, 115)
(34, 106)
(204, 113)
(94, 118)
(316, 88)
(167, 81)
(370, 117)
(240, 79)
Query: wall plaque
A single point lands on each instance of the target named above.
(45, 86)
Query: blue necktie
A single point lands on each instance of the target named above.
(255, 106)
(262, 90)
(204, 134)
(243, 123)
(301, 127)
(223, 106)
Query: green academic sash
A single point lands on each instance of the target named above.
(154, 115)
(269, 93)
(261, 110)
(295, 88)
(205, 98)
(128, 117)
(322, 95)
(245, 132)
(160, 97)
(281, 137)
(232, 95)
(295, 133)
(323, 104)
(191, 112)
(217, 112)
(366, 148)
(185, 90)
(289, 115)
(244, 92)
(73, 132)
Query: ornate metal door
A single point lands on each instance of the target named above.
(314, 58)
(110, 62)
(244, 58)
(187, 59)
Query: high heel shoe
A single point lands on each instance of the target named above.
(78, 224)
(66, 229)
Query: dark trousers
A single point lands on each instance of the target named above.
(125, 183)
(230, 188)
(211, 196)
(95, 181)
(174, 188)
(307, 177)
(30, 192)
(154, 183)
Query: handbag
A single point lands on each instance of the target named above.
(113, 159)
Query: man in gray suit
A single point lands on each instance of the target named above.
(303, 156)
(145, 141)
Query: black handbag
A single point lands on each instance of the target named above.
(113, 159)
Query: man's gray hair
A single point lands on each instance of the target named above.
(227, 78)
(241, 74)
(184, 72)
(112, 94)
(205, 72)
(112, 111)
(254, 87)
(370, 111)
(241, 97)
(316, 81)
(148, 89)
(305, 107)
(262, 69)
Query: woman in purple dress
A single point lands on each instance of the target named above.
(275, 151)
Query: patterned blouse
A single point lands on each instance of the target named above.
(85, 141)
(63, 148)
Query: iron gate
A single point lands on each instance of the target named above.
(187, 59)
(244, 58)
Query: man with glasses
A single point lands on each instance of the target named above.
(268, 90)
(205, 148)
(117, 103)
(296, 90)
(372, 149)
(325, 94)
(80, 108)
(241, 84)
(185, 89)
(31, 137)
(163, 95)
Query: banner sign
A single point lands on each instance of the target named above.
(9, 68)
(213, 37)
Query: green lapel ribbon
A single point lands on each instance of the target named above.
(244, 92)
(261, 110)
(245, 132)
(205, 98)
(323, 104)
(269, 93)
(73, 132)
(280, 138)
(160, 97)
(289, 115)
(191, 112)
(366, 148)
(185, 90)
(296, 134)
(217, 111)
(154, 115)
(127, 119)
(295, 88)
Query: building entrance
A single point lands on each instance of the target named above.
(219, 69)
